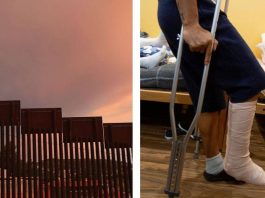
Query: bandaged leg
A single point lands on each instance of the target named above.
(237, 162)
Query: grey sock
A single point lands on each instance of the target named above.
(214, 165)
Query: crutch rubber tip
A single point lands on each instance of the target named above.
(196, 155)
(171, 194)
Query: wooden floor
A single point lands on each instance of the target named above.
(155, 152)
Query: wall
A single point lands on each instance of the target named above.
(248, 16)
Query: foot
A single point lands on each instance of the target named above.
(168, 133)
(182, 129)
(248, 172)
(222, 176)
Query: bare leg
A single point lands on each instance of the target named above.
(211, 125)
(213, 128)
(209, 129)
(222, 128)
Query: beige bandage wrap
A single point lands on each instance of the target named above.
(237, 162)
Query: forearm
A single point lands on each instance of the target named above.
(188, 10)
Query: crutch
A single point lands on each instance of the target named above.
(179, 146)
(197, 132)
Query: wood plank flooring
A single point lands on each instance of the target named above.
(155, 151)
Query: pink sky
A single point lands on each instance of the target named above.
(73, 54)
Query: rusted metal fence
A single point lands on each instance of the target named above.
(45, 155)
(118, 141)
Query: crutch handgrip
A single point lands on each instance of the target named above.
(226, 6)
(208, 53)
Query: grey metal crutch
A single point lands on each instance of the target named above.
(179, 146)
(197, 132)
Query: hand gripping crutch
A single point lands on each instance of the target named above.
(179, 146)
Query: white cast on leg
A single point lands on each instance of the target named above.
(237, 162)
